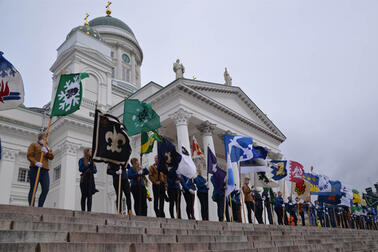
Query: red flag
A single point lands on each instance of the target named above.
(196, 150)
(295, 172)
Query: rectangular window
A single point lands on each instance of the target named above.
(57, 172)
(112, 54)
(113, 72)
(125, 74)
(23, 175)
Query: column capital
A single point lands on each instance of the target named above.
(9, 154)
(206, 128)
(68, 148)
(181, 116)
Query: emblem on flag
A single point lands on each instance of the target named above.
(11, 85)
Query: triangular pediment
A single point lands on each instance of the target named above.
(236, 100)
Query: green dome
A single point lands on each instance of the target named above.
(87, 30)
(110, 21)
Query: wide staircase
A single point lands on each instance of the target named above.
(43, 229)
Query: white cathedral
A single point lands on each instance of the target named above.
(107, 49)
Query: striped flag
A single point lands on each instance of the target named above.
(147, 141)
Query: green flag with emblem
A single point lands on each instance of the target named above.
(139, 117)
(68, 94)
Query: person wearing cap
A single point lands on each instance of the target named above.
(248, 198)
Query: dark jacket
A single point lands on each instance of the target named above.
(172, 178)
(201, 184)
(112, 169)
(216, 193)
(187, 183)
(87, 180)
(135, 177)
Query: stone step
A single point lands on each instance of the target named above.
(32, 236)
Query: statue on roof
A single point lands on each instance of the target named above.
(179, 69)
(227, 77)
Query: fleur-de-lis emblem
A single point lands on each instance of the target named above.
(114, 140)
(169, 160)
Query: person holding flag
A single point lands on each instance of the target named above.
(247, 191)
(159, 186)
(174, 193)
(137, 187)
(39, 155)
(87, 181)
(67, 101)
(202, 194)
(189, 189)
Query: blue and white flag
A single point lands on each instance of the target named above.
(238, 147)
(230, 177)
(324, 184)
(11, 85)
(257, 163)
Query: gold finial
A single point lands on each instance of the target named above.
(86, 19)
(194, 77)
(108, 11)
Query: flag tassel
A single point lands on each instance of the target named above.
(39, 168)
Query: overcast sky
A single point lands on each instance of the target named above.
(311, 66)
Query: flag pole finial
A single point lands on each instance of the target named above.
(86, 19)
(108, 11)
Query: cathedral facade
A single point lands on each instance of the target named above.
(107, 49)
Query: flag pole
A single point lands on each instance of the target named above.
(119, 190)
(242, 197)
(39, 168)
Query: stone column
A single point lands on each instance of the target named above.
(7, 166)
(207, 129)
(69, 171)
(181, 117)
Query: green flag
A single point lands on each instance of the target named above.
(147, 141)
(68, 94)
(139, 116)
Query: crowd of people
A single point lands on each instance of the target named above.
(169, 187)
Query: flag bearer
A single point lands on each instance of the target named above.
(202, 194)
(174, 193)
(138, 189)
(34, 156)
(218, 196)
(291, 209)
(267, 200)
(235, 197)
(159, 186)
(301, 209)
(259, 206)
(189, 194)
(87, 182)
(114, 170)
(278, 207)
(247, 191)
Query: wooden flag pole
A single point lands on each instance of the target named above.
(119, 190)
(240, 195)
(224, 208)
(309, 213)
(39, 168)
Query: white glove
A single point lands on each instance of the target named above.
(119, 172)
(38, 164)
(44, 150)
(191, 191)
(140, 172)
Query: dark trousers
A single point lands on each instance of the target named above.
(303, 218)
(236, 212)
(140, 200)
(220, 207)
(85, 197)
(125, 188)
(159, 193)
(189, 199)
(250, 207)
(269, 212)
(174, 197)
(258, 214)
(279, 212)
(44, 180)
(204, 200)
